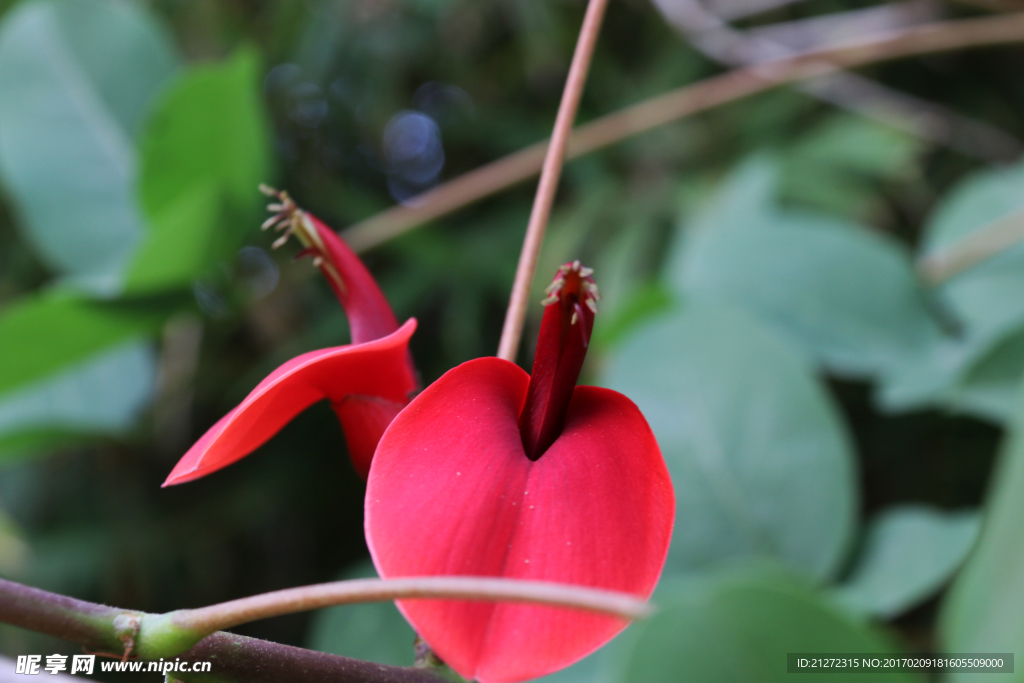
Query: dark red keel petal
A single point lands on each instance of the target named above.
(451, 491)
(377, 369)
(364, 419)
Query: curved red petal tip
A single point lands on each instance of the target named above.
(451, 491)
(369, 314)
(378, 370)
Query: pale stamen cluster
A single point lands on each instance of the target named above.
(589, 292)
(289, 219)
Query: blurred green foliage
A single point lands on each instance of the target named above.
(830, 421)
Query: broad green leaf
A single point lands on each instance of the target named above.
(740, 627)
(990, 386)
(845, 295)
(643, 302)
(181, 242)
(856, 144)
(31, 443)
(837, 165)
(209, 127)
(978, 371)
(910, 551)
(44, 335)
(372, 631)
(76, 78)
(746, 196)
(205, 151)
(101, 395)
(984, 610)
(760, 460)
(985, 297)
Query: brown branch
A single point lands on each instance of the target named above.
(551, 171)
(676, 104)
(191, 635)
(235, 658)
(926, 120)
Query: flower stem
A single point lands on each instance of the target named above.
(676, 104)
(549, 175)
(241, 611)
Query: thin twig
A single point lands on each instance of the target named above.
(676, 104)
(228, 614)
(549, 175)
(938, 266)
(894, 108)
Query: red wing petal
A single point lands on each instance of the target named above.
(451, 491)
(378, 368)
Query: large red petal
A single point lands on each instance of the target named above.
(374, 369)
(451, 491)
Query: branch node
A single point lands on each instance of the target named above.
(126, 628)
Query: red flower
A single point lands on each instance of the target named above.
(492, 472)
(367, 382)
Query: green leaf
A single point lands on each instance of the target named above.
(76, 78)
(978, 372)
(204, 153)
(984, 610)
(855, 144)
(102, 395)
(984, 298)
(43, 335)
(744, 198)
(761, 463)
(181, 242)
(372, 631)
(837, 165)
(910, 551)
(740, 627)
(990, 386)
(843, 294)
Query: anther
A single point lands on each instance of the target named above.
(556, 285)
(282, 239)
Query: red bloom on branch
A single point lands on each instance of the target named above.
(493, 472)
(367, 382)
